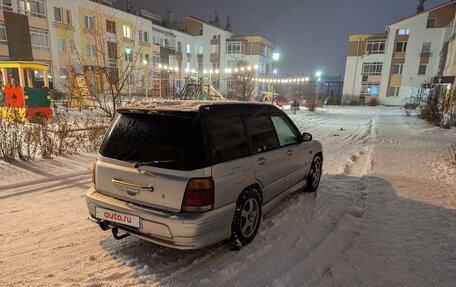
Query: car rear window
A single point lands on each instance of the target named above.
(166, 141)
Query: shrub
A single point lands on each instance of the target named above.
(450, 156)
(350, 100)
(373, 102)
(312, 104)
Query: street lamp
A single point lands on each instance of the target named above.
(318, 74)
(275, 58)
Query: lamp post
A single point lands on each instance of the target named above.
(318, 74)
(275, 58)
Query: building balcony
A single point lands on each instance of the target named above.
(425, 54)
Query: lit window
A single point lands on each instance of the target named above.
(189, 48)
(404, 31)
(126, 31)
(35, 8)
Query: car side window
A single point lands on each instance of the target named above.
(228, 138)
(285, 131)
(262, 136)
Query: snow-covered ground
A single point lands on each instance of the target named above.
(384, 215)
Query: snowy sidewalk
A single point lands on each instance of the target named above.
(18, 177)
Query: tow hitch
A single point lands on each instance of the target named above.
(115, 231)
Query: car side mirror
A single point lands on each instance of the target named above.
(306, 137)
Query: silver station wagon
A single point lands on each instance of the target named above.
(187, 174)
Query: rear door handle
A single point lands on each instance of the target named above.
(261, 161)
(289, 152)
(131, 186)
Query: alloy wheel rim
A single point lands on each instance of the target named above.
(249, 217)
(316, 173)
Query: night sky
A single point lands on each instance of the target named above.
(311, 35)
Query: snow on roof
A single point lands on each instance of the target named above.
(184, 106)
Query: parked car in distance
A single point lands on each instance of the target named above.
(188, 174)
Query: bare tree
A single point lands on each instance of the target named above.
(241, 85)
(110, 64)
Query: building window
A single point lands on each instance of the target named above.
(91, 50)
(126, 31)
(3, 39)
(157, 38)
(35, 8)
(68, 17)
(200, 31)
(110, 26)
(426, 47)
(170, 42)
(128, 56)
(234, 48)
(88, 22)
(401, 47)
(200, 51)
(57, 14)
(72, 47)
(264, 50)
(372, 68)
(61, 45)
(261, 68)
(215, 66)
(156, 58)
(189, 48)
(6, 5)
(39, 39)
(146, 37)
(422, 70)
(375, 47)
(431, 23)
(393, 92)
(215, 49)
(369, 90)
(404, 32)
(397, 69)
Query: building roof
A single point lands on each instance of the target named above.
(193, 18)
(356, 37)
(428, 10)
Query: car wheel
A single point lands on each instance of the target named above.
(247, 217)
(313, 179)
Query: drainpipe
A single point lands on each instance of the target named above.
(356, 66)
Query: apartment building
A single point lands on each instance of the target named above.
(84, 36)
(402, 60)
(24, 32)
(363, 69)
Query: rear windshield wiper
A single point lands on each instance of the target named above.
(137, 164)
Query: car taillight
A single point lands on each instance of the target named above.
(199, 195)
(94, 168)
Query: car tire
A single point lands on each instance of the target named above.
(313, 179)
(247, 217)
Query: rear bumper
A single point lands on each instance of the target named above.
(175, 230)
